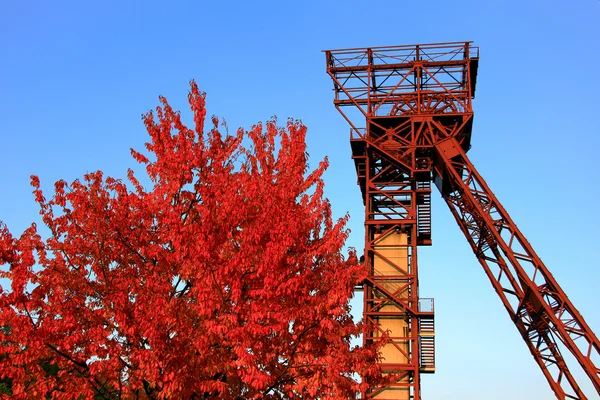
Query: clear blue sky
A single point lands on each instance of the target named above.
(76, 76)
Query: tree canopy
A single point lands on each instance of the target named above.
(222, 277)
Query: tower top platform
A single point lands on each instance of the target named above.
(391, 81)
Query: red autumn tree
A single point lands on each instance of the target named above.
(224, 279)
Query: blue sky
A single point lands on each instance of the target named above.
(76, 76)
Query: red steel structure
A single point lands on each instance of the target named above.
(417, 104)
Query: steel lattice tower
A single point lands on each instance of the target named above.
(416, 101)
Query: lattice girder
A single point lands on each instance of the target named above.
(539, 307)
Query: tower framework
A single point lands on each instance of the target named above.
(416, 101)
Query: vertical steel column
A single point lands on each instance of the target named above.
(391, 290)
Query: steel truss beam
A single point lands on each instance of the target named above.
(536, 303)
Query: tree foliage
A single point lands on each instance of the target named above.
(224, 278)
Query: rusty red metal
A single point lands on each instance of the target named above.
(416, 101)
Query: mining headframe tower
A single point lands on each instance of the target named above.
(411, 116)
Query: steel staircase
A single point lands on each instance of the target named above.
(424, 212)
(427, 343)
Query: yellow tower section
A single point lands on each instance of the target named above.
(390, 264)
